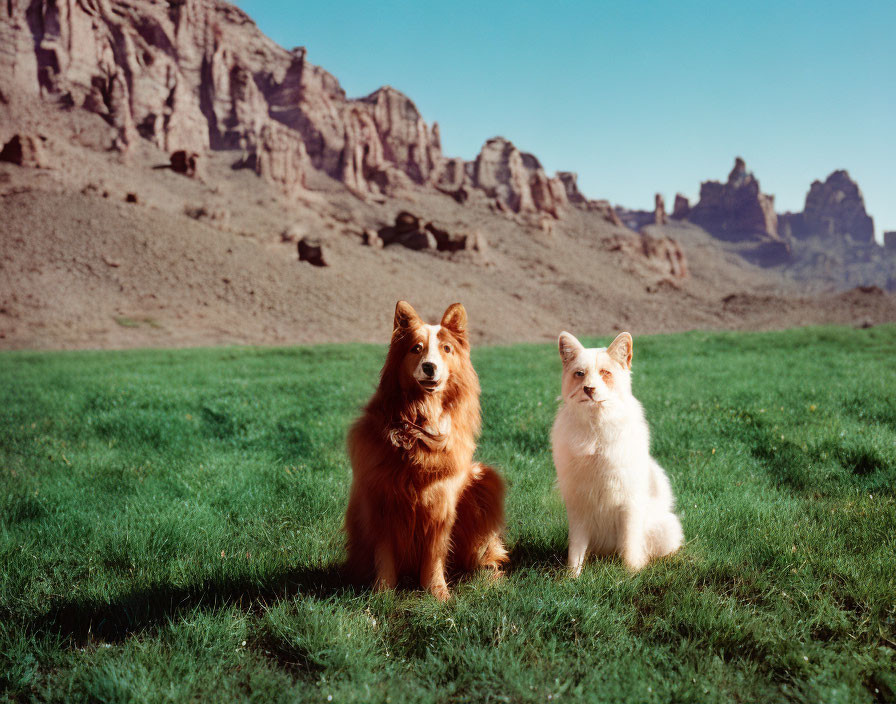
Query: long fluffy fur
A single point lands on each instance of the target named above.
(418, 502)
(618, 498)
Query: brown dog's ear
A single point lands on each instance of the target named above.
(620, 349)
(455, 319)
(405, 316)
(569, 346)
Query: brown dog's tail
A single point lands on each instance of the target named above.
(476, 536)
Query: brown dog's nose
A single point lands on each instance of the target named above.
(429, 368)
(589, 391)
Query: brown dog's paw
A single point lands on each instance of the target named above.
(440, 592)
(495, 575)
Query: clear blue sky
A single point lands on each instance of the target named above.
(637, 97)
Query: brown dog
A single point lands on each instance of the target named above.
(418, 501)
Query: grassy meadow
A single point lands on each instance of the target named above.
(170, 531)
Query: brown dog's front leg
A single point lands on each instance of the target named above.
(386, 574)
(432, 568)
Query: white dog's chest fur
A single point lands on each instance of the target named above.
(601, 471)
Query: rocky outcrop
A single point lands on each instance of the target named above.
(24, 150)
(890, 241)
(414, 232)
(661, 254)
(197, 74)
(451, 175)
(834, 209)
(682, 207)
(184, 162)
(570, 183)
(311, 250)
(736, 211)
(371, 238)
(281, 159)
(606, 210)
(575, 198)
(193, 75)
(833, 238)
(635, 219)
(516, 180)
(659, 210)
(406, 141)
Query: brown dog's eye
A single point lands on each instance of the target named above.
(447, 348)
(580, 373)
(417, 349)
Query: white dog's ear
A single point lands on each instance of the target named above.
(569, 346)
(405, 315)
(455, 319)
(621, 349)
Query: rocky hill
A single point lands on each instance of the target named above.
(170, 175)
(194, 75)
(830, 244)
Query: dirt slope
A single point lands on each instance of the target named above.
(82, 268)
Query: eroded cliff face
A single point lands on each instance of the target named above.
(195, 75)
(834, 210)
(830, 242)
(736, 210)
(515, 179)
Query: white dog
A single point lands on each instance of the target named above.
(618, 499)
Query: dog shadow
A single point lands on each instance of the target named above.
(536, 556)
(81, 621)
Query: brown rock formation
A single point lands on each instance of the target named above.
(499, 171)
(736, 211)
(605, 208)
(516, 179)
(682, 207)
(833, 238)
(195, 74)
(406, 141)
(281, 158)
(890, 241)
(413, 232)
(184, 162)
(311, 250)
(659, 210)
(662, 254)
(451, 175)
(192, 75)
(834, 209)
(371, 239)
(570, 183)
(24, 150)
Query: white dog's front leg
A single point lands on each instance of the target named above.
(632, 538)
(578, 548)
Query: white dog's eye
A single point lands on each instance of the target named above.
(417, 349)
(580, 373)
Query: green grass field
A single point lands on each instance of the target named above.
(170, 531)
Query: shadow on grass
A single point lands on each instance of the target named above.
(836, 465)
(82, 621)
(536, 555)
